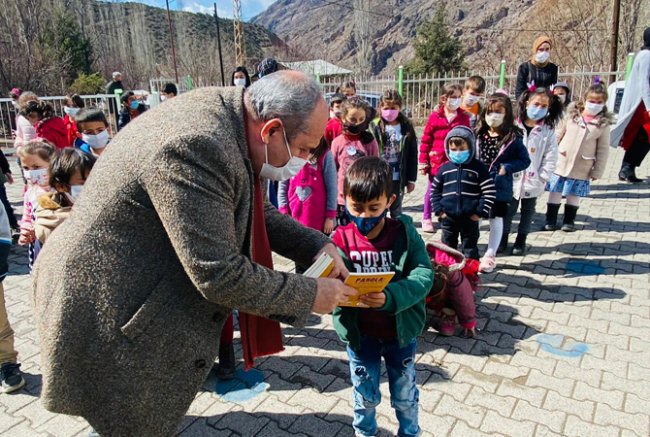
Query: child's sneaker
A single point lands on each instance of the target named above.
(447, 325)
(488, 264)
(427, 226)
(11, 377)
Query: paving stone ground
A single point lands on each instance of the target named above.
(563, 348)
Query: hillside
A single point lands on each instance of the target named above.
(490, 29)
(130, 37)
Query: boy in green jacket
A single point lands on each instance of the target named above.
(393, 318)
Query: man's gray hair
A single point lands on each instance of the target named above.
(287, 95)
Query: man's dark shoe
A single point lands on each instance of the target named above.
(11, 377)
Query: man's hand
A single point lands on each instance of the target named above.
(339, 270)
(10, 178)
(328, 227)
(329, 293)
(410, 187)
(373, 300)
(475, 217)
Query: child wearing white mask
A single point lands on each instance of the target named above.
(35, 158)
(447, 115)
(68, 172)
(94, 130)
(583, 149)
(71, 106)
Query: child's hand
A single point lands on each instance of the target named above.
(373, 300)
(442, 216)
(328, 227)
(423, 169)
(410, 187)
(475, 217)
(26, 236)
(502, 170)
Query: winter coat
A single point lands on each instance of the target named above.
(404, 294)
(347, 149)
(54, 131)
(408, 149)
(583, 147)
(132, 291)
(333, 129)
(541, 144)
(71, 129)
(432, 144)
(125, 117)
(25, 132)
(462, 190)
(49, 215)
(543, 76)
(514, 158)
(637, 92)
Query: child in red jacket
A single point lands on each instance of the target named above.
(432, 147)
(48, 126)
(334, 126)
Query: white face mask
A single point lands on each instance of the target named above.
(542, 57)
(70, 111)
(240, 82)
(594, 108)
(75, 192)
(454, 104)
(494, 119)
(561, 97)
(471, 99)
(38, 177)
(288, 170)
(98, 141)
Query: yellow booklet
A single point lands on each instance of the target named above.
(321, 268)
(365, 283)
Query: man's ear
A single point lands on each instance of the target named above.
(269, 128)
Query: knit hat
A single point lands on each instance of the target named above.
(646, 39)
(539, 41)
(15, 92)
(465, 133)
(266, 67)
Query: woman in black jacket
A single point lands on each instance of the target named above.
(538, 70)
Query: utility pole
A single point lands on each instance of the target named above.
(240, 55)
(613, 61)
(216, 20)
(171, 40)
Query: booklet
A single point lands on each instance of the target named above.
(321, 268)
(366, 283)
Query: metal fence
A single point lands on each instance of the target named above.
(8, 113)
(421, 93)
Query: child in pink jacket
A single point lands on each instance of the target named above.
(432, 147)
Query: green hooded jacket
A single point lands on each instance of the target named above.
(404, 295)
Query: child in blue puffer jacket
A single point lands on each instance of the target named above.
(502, 150)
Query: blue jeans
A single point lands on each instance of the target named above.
(365, 371)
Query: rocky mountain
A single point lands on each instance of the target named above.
(490, 29)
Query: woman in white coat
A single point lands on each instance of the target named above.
(539, 111)
(632, 131)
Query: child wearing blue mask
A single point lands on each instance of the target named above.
(391, 320)
(462, 192)
(131, 108)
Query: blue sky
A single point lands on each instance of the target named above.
(250, 8)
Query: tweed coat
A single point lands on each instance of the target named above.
(131, 292)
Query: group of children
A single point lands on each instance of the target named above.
(482, 161)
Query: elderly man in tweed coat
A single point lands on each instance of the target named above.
(131, 292)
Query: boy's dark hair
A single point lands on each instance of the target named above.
(170, 88)
(367, 179)
(87, 115)
(40, 107)
(476, 83)
(126, 95)
(66, 162)
(555, 107)
(74, 100)
(508, 126)
(336, 98)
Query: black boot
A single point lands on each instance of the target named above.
(628, 174)
(570, 213)
(227, 365)
(519, 248)
(503, 245)
(551, 216)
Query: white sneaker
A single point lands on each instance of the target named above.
(488, 264)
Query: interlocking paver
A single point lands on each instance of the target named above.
(501, 383)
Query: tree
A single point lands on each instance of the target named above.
(436, 50)
(88, 84)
